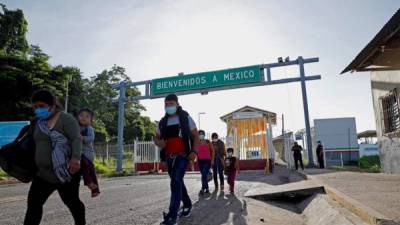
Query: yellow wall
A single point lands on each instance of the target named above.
(249, 133)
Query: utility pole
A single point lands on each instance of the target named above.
(283, 125)
(66, 96)
(198, 118)
(306, 113)
(120, 139)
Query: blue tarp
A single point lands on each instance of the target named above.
(10, 130)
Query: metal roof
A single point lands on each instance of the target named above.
(367, 134)
(376, 47)
(251, 109)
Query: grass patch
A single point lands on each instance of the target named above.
(106, 168)
(102, 169)
(3, 174)
(370, 163)
(366, 164)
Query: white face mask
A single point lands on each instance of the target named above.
(215, 140)
(230, 154)
(202, 136)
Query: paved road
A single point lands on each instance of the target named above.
(141, 200)
(378, 191)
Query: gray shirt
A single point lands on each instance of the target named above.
(87, 142)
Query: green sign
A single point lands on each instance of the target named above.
(219, 78)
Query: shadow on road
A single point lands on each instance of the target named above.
(217, 208)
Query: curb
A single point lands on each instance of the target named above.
(366, 213)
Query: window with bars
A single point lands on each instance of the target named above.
(390, 112)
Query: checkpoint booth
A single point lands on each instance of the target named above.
(249, 133)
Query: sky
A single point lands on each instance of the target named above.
(154, 39)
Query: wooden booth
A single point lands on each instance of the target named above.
(249, 133)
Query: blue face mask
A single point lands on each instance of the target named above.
(170, 110)
(42, 113)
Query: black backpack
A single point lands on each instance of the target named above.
(184, 123)
(17, 158)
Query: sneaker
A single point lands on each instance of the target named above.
(167, 220)
(186, 212)
(222, 187)
(201, 192)
(207, 192)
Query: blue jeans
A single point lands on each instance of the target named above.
(176, 170)
(204, 165)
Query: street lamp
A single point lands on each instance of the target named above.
(198, 115)
(66, 93)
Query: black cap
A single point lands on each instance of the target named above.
(171, 97)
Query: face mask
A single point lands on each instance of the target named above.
(215, 140)
(230, 154)
(170, 110)
(202, 137)
(42, 113)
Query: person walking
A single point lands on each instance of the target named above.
(232, 169)
(219, 159)
(205, 157)
(57, 156)
(320, 155)
(178, 137)
(297, 155)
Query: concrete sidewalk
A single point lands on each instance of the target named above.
(376, 191)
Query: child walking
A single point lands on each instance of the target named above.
(85, 117)
(232, 169)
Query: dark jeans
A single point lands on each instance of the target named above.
(176, 170)
(218, 169)
(205, 165)
(89, 173)
(297, 159)
(40, 191)
(321, 162)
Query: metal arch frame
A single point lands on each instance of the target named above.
(266, 80)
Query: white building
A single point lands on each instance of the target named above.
(382, 58)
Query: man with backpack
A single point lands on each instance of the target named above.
(178, 138)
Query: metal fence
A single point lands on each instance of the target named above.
(341, 157)
(138, 152)
(146, 152)
(107, 154)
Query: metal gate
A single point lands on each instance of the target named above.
(146, 152)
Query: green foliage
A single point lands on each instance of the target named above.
(108, 168)
(372, 163)
(102, 169)
(13, 29)
(3, 174)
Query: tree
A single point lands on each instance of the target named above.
(13, 29)
(102, 98)
(25, 69)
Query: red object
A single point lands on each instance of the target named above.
(231, 180)
(175, 145)
(204, 152)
